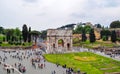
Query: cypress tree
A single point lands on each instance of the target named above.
(113, 36)
(83, 35)
(25, 32)
(92, 36)
(29, 35)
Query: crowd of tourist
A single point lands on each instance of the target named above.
(35, 57)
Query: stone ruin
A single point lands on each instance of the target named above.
(53, 37)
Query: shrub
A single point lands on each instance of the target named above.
(118, 39)
(10, 42)
(23, 44)
(16, 43)
(76, 40)
(0, 42)
(104, 38)
(4, 39)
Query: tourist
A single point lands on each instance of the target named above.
(39, 66)
(24, 69)
(15, 64)
(8, 71)
(57, 64)
(34, 65)
(3, 59)
(66, 71)
(13, 70)
(44, 64)
(54, 72)
(78, 71)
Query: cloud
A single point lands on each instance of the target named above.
(44, 14)
(99, 11)
(30, 1)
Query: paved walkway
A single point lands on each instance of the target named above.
(48, 69)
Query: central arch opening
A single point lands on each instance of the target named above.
(60, 43)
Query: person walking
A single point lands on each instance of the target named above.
(54, 72)
(8, 71)
(13, 70)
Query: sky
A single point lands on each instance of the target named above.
(46, 14)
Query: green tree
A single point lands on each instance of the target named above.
(83, 35)
(113, 36)
(43, 34)
(20, 38)
(35, 34)
(13, 38)
(98, 25)
(3, 39)
(17, 34)
(78, 29)
(29, 35)
(115, 24)
(87, 28)
(1, 30)
(9, 33)
(92, 36)
(105, 34)
(25, 32)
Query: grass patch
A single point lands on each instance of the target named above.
(6, 44)
(98, 43)
(86, 62)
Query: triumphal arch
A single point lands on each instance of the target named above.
(59, 40)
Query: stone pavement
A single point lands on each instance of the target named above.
(48, 69)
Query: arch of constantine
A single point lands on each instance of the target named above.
(59, 40)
